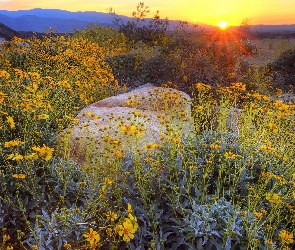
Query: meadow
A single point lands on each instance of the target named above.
(229, 185)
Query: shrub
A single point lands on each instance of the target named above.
(113, 41)
(137, 30)
(285, 66)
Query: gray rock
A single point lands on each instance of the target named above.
(155, 113)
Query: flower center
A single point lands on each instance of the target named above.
(126, 231)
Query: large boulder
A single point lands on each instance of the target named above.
(139, 119)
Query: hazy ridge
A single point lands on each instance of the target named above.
(39, 20)
(64, 21)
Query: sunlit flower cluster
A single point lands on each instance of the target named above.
(131, 130)
(286, 237)
(151, 146)
(274, 199)
(44, 152)
(202, 87)
(13, 143)
(283, 108)
(230, 155)
(127, 229)
(19, 176)
(92, 237)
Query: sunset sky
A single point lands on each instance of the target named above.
(196, 11)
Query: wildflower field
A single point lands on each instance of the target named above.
(229, 184)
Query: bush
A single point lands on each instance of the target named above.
(285, 67)
(137, 29)
(33, 198)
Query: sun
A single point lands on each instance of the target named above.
(223, 25)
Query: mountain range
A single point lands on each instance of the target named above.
(6, 32)
(40, 20)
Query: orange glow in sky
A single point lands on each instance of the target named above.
(197, 11)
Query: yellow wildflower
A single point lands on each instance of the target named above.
(286, 237)
(90, 114)
(129, 208)
(266, 174)
(258, 215)
(176, 140)
(109, 181)
(283, 108)
(9, 248)
(134, 221)
(19, 176)
(6, 238)
(185, 78)
(4, 74)
(67, 245)
(127, 230)
(92, 237)
(10, 156)
(243, 213)
(215, 146)
(130, 130)
(269, 243)
(44, 152)
(263, 211)
(150, 146)
(119, 154)
(279, 91)
(275, 199)
(132, 103)
(111, 216)
(71, 118)
(2, 96)
(229, 155)
(202, 87)
(30, 157)
(238, 86)
(266, 147)
(103, 191)
(15, 157)
(198, 108)
(42, 117)
(127, 129)
(34, 75)
(273, 127)
(13, 143)
(11, 122)
(192, 167)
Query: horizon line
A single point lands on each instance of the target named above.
(189, 22)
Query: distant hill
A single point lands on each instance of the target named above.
(63, 21)
(6, 32)
(87, 16)
(274, 28)
(40, 24)
(270, 28)
(38, 20)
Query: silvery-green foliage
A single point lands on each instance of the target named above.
(53, 230)
(39, 203)
(215, 225)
